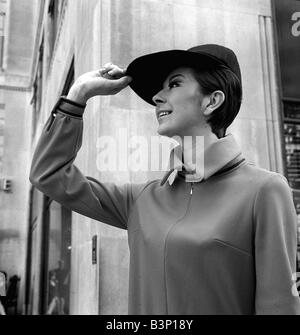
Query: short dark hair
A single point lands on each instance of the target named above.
(221, 78)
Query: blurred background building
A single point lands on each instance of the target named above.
(70, 264)
(17, 33)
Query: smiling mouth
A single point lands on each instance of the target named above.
(163, 114)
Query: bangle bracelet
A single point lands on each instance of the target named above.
(69, 107)
(77, 104)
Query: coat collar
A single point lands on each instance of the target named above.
(208, 162)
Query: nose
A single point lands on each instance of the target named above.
(158, 98)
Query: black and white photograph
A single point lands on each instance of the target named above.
(149, 160)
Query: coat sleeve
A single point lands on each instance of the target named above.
(275, 248)
(53, 172)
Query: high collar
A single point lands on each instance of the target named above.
(208, 161)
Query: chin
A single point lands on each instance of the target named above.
(164, 131)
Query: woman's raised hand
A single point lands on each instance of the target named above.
(109, 80)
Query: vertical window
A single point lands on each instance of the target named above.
(291, 126)
(56, 260)
(292, 141)
(37, 90)
(69, 80)
(54, 15)
(31, 261)
(3, 10)
(2, 35)
(2, 110)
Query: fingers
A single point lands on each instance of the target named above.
(111, 71)
(106, 68)
(116, 72)
(108, 80)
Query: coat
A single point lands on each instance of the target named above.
(224, 243)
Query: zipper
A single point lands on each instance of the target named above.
(192, 186)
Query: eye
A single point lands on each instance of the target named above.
(174, 84)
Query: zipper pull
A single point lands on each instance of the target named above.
(192, 185)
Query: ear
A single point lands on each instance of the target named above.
(215, 101)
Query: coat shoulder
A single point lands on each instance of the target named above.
(263, 177)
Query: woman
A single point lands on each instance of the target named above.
(216, 235)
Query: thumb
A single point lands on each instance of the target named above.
(122, 82)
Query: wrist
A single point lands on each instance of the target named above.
(76, 93)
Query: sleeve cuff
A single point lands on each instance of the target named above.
(69, 107)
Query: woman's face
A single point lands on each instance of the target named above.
(180, 105)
